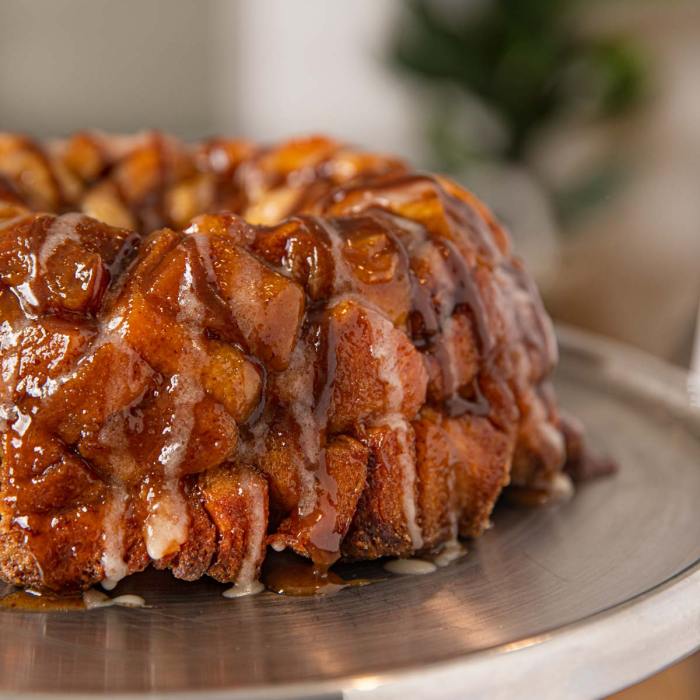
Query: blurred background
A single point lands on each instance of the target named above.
(578, 122)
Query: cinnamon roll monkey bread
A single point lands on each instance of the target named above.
(208, 350)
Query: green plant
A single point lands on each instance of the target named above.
(524, 59)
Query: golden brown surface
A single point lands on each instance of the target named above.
(207, 349)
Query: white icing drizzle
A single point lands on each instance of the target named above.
(399, 425)
(309, 438)
(518, 310)
(453, 513)
(26, 294)
(239, 590)
(561, 488)
(365, 305)
(257, 524)
(551, 436)
(167, 523)
(113, 436)
(450, 368)
(441, 276)
(551, 440)
(249, 278)
(22, 422)
(342, 276)
(94, 599)
(246, 581)
(445, 287)
(524, 308)
(252, 450)
(115, 568)
(9, 347)
(110, 333)
(203, 244)
(410, 567)
(297, 384)
(451, 551)
(385, 351)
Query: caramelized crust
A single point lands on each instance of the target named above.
(208, 349)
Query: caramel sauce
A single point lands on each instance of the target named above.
(426, 322)
(44, 601)
(32, 601)
(288, 574)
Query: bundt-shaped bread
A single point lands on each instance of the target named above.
(211, 349)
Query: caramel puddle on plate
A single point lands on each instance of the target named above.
(288, 574)
(283, 573)
(35, 601)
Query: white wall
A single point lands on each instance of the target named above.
(114, 64)
(309, 65)
(261, 68)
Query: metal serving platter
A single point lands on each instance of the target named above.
(570, 601)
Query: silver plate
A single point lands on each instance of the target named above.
(573, 601)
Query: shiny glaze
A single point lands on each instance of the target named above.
(27, 601)
(40, 602)
(210, 391)
(287, 574)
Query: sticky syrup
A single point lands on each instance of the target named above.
(33, 601)
(288, 574)
(39, 602)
